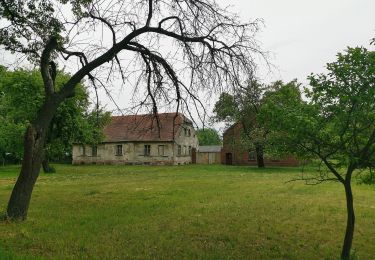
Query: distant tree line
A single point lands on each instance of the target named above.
(208, 136)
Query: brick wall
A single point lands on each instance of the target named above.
(233, 151)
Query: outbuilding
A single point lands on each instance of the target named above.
(209, 154)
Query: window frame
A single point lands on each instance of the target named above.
(147, 150)
(251, 156)
(117, 150)
(94, 150)
(83, 152)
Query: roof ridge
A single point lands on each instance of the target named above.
(170, 113)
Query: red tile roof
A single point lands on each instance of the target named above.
(144, 127)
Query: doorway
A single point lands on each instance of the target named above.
(228, 159)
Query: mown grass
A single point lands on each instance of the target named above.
(184, 212)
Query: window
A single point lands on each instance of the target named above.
(189, 150)
(147, 150)
(94, 150)
(119, 149)
(161, 150)
(83, 150)
(184, 149)
(179, 150)
(189, 133)
(251, 155)
(185, 130)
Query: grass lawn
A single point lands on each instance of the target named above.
(184, 212)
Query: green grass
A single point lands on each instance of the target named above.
(184, 212)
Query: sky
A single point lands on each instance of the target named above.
(302, 36)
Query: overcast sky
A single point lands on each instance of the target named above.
(304, 35)
(301, 36)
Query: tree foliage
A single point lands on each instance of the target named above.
(336, 124)
(208, 136)
(22, 95)
(243, 107)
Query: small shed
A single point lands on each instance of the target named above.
(209, 154)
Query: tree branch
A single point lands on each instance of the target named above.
(45, 66)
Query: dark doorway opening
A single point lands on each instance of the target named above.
(228, 159)
(193, 155)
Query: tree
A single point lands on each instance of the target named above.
(244, 107)
(208, 136)
(22, 96)
(216, 50)
(335, 125)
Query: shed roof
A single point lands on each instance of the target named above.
(210, 149)
(144, 127)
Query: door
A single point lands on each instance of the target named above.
(193, 155)
(228, 158)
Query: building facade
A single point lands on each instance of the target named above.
(233, 152)
(165, 139)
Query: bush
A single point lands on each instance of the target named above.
(367, 178)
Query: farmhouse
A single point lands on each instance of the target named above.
(168, 139)
(234, 153)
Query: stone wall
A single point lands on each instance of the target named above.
(132, 153)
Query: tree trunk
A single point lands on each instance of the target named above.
(47, 168)
(345, 253)
(259, 154)
(33, 155)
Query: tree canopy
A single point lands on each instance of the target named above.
(208, 136)
(244, 106)
(22, 95)
(335, 123)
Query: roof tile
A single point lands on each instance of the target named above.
(144, 127)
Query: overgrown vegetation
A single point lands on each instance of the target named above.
(367, 178)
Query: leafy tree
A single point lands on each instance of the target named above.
(208, 136)
(244, 107)
(336, 124)
(214, 47)
(21, 98)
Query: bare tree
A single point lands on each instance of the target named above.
(208, 49)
